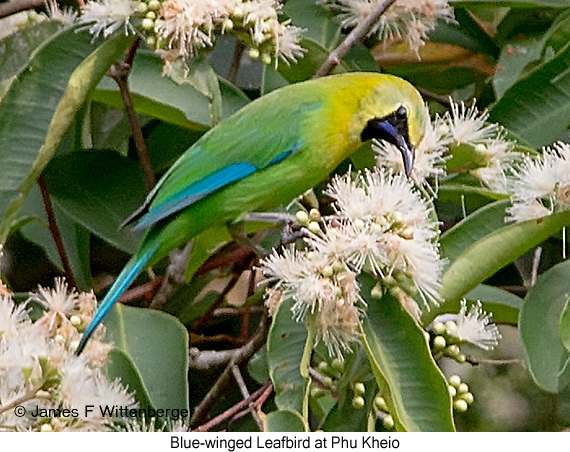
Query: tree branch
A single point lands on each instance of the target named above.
(17, 6)
(356, 35)
(120, 73)
(55, 232)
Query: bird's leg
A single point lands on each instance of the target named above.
(239, 235)
(291, 228)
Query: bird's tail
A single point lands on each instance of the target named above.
(124, 280)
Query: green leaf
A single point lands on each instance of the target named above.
(285, 344)
(466, 196)
(491, 253)
(473, 228)
(539, 323)
(401, 360)
(161, 97)
(284, 421)
(98, 189)
(16, 48)
(120, 366)
(538, 106)
(317, 20)
(199, 74)
(40, 106)
(257, 366)
(564, 327)
(157, 345)
(204, 245)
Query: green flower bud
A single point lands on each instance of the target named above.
(388, 422)
(302, 217)
(253, 53)
(380, 403)
(438, 328)
(338, 364)
(461, 358)
(340, 302)
(147, 24)
(75, 320)
(327, 382)
(377, 291)
(323, 366)
(46, 428)
(237, 13)
(462, 388)
(228, 25)
(359, 388)
(154, 5)
(358, 402)
(142, 8)
(439, 342)
(468, 397)
(338, 267)
(151, 15)
(327, 271)
(455, 380)
(151, 41)
(451, 327)
(452, 390)
(460, 405)
(452, 350)
(314, 227)
(266, 59)
(358, 224)
(315, 215)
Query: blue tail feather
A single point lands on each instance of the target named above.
(124, 280)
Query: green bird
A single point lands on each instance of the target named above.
(265, 155)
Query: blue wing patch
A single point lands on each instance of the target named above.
(196, 192)
(201, 189)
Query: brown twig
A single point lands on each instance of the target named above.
(13, 7)
(443, 100)
(210, 312)
(356, 35)
(267, 388)
(236, 61)
(120, 73)
(141, 291)
(55, 232)
(241, 355)
(494, 362)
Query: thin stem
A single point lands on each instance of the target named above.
(55, 232)
(494, 362)
(23, 398)
(13, 7)
(236, 61)
(230, 412)
(120, 73)
(356, 35)
(443, 100)
(141, 291)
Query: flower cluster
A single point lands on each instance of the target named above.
(40, 372)
(180, 28)
(381, 226)
(410, 20)
(541, 186)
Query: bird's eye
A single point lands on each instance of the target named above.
(401, 113)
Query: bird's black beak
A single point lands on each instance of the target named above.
(393, 129)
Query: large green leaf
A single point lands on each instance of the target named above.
(565, 326)
(401, 360)
(157, 345)
(16, 48)
(539, 328)
(538, 106)
(491, 253)
(98, 189)
(285, 345)
(40, 106)
(480, 223)
(161, 97)
(284, 421)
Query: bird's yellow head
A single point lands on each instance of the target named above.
(394, 111)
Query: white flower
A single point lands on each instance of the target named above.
(63, 15)
(541, 185)
(467, 124)
(59, 300)
(429, 155)
(11, 316)
(476, 327)
(410, 20)
(106, 16)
